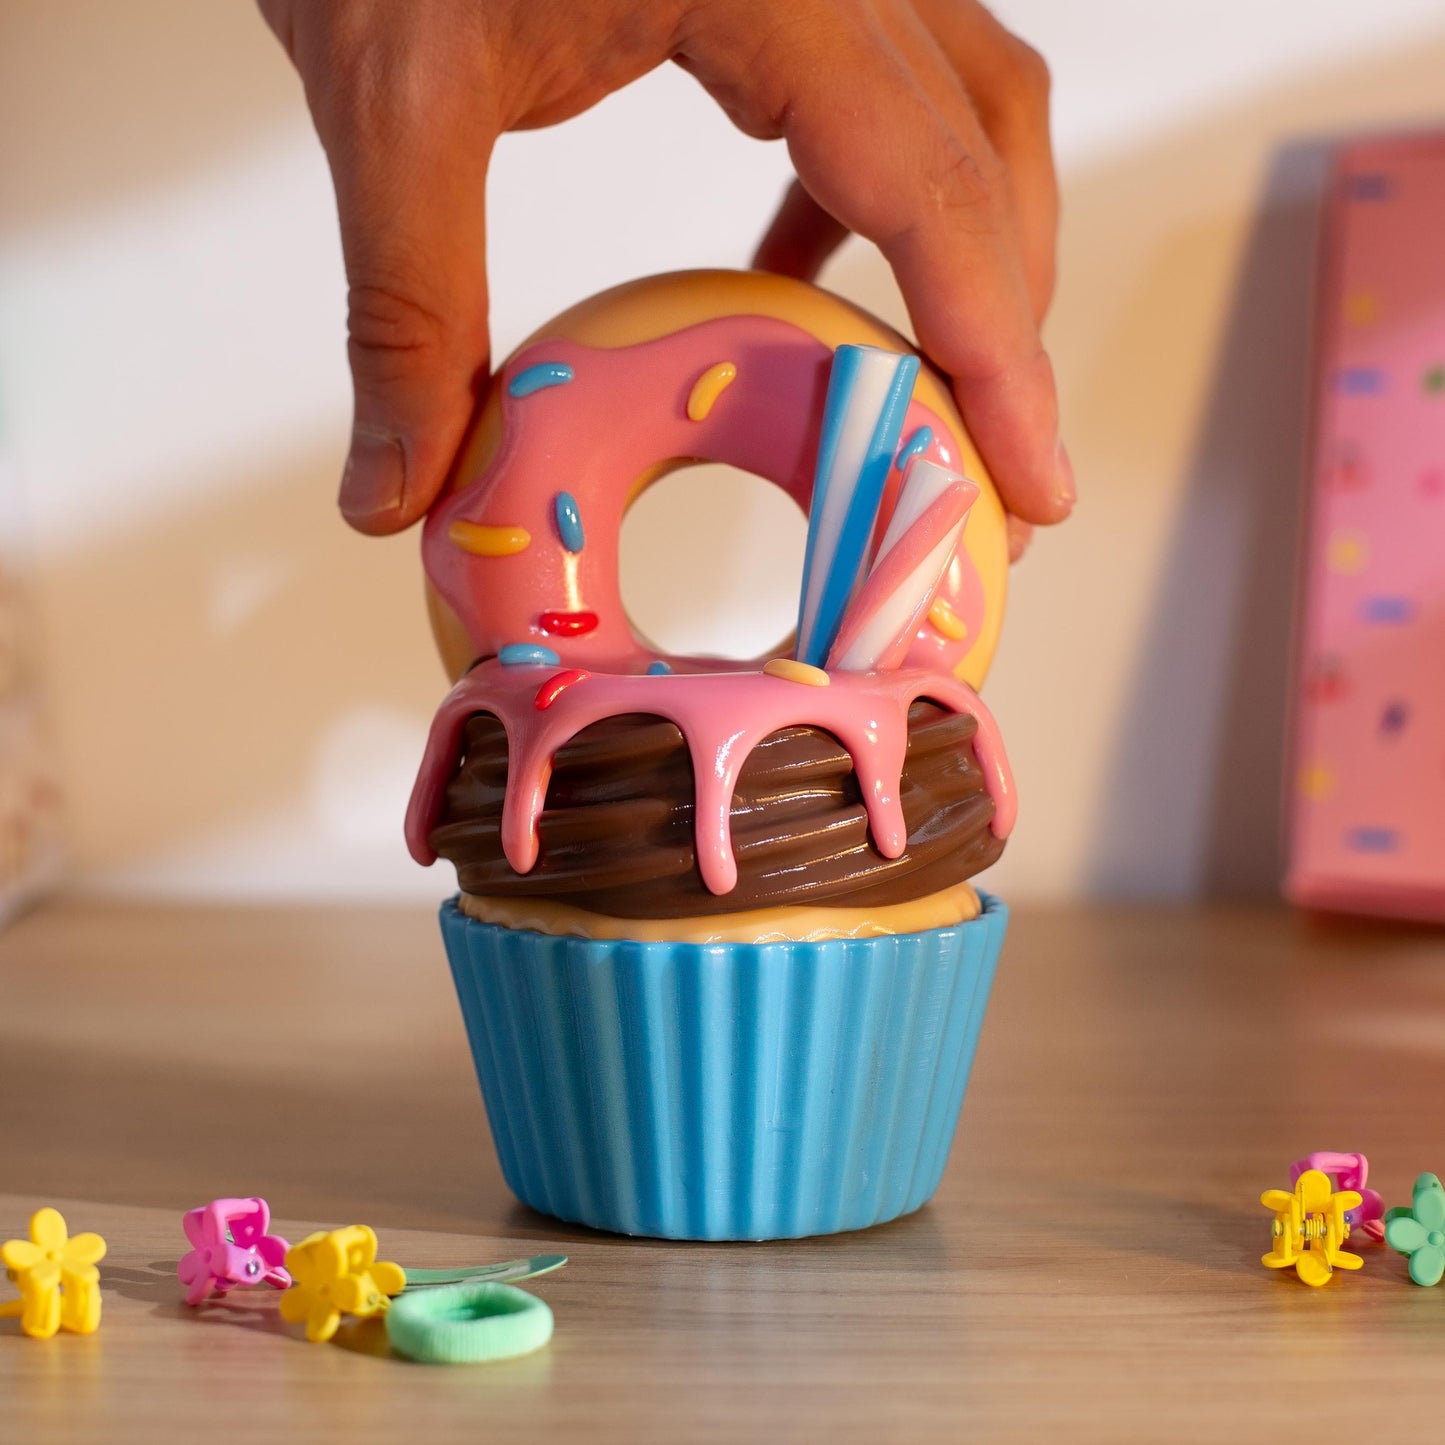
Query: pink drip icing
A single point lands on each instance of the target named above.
(722, 717)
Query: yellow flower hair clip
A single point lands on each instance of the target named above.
(337, 1273)
(57, 1275)
(1310, 1229)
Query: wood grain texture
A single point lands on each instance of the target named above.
(1090, 1266)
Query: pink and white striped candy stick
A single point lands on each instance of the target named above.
(880, 624)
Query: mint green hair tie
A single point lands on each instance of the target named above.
(459, 1324)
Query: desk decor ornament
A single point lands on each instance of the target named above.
(717, 950)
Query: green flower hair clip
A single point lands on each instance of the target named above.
(1420, 1231)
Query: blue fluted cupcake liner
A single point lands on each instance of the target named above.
(723, 1091)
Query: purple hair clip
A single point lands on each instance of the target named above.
(231, 1248)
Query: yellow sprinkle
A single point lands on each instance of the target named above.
(489, 541)
(1316, 782)
(1361, 308)
(791, 671)
(947, 621)
(1349, 551)
(708, 387)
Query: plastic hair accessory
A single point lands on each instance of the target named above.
(1349, 1171)
(337, 1273)
(57, 1275)
(1420, 1231)
(231, 1247)
(509, 1269)
(1309, 1228)
(468, 1323)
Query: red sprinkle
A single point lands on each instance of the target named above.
(567, 624)
(556, 685)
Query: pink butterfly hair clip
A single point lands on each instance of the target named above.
(232, 1248)
(1349, 1171)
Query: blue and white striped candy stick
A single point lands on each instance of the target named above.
(868, 394)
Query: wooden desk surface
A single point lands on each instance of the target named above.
(1090, 1266)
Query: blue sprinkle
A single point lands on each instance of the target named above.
(658, 669)
(1373, 840)
(920, 441)
(539, 377)
(1361, 380)
(1387, 609)
(527, 654)
(1394, 717)
(569, 521)
(1371, 186)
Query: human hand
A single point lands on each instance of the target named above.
(919, 124)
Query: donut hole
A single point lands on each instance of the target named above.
(711, 560)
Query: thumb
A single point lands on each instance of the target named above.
(410, 177)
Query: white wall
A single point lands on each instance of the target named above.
(240, 688)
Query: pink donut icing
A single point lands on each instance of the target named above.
(624, 411)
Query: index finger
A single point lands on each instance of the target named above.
(875, 152)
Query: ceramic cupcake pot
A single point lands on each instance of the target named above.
(720, 962)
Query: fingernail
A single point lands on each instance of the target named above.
(373, 482)
(1064, 488)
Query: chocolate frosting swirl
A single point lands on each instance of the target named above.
(616, 835)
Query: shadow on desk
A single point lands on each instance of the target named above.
(155, 1133)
